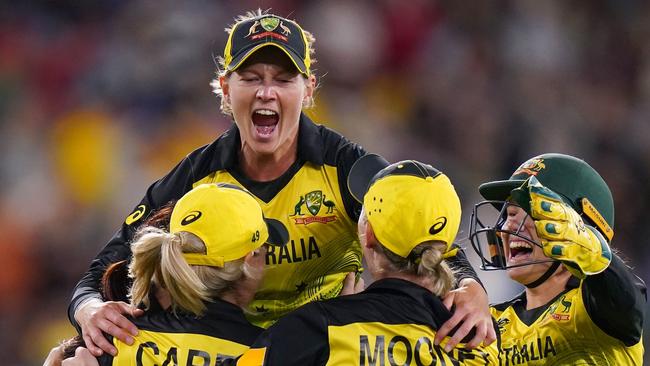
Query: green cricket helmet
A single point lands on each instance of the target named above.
(579, 185)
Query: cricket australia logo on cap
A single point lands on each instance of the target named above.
(269, 25)
(313, 201)
(531, 167)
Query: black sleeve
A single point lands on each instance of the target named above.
(171, 187)
(615, 300)
(461, 266)
(347, 155)
(106, 359)
(300, 338)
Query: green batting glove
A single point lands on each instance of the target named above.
(564, 235)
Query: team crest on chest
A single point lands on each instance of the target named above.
(560, 310)
(309, 206)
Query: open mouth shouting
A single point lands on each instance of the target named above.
(265, 122)
(520, 250)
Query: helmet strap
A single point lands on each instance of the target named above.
(545, 276)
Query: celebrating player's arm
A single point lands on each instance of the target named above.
(88, 312)
(471, 312)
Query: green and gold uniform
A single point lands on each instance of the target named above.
(311, 199)
(184, 339)
(392, 322)
(596, 321)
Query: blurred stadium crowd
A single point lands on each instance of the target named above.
(99, 98)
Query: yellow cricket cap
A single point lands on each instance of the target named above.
(407, 203)
(228, 219)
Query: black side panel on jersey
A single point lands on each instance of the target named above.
(106, 359)
(616, 301)
(222, 320)
(343, 153)
(389, 301)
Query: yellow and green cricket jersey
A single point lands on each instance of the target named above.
(311, 199)
(597, 321)
(323, 245)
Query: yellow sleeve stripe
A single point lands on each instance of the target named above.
(252, 357)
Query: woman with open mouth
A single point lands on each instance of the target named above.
(581, 304)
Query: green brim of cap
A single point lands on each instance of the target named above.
(278, 234)
(499, 190)
(362, 173)
(239, 59)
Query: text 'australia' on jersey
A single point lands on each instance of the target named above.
(563, 334)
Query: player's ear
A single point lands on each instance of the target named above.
(311, 85)
(371, 239)
(225, 87)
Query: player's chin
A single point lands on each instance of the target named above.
(264, 147)
(518, 274)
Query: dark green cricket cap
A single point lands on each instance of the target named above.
(571, 178)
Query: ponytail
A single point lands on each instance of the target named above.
(425, 261)
(432, 265)
(145, 264)
(158, 260)
(186, 289)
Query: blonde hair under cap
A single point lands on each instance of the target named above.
(414, 212)
(407, 203)
(212, 228)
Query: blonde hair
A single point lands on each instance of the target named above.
(221, 68)
(425, 260)
(158, 260)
